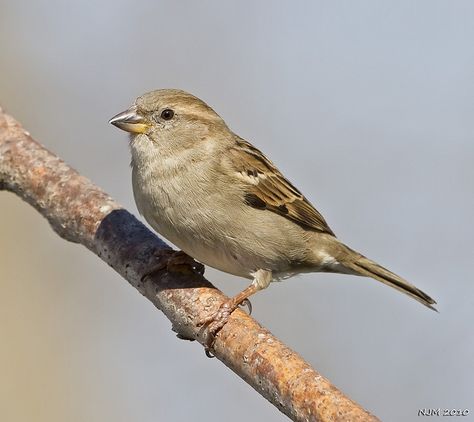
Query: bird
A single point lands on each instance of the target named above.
(225, 204)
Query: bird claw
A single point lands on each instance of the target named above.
(208, 353)
(248, 304)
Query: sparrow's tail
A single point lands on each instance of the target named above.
(358, 264)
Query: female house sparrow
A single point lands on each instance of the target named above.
(220, 200)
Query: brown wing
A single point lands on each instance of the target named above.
(268, 189)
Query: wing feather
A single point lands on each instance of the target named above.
(268, 189)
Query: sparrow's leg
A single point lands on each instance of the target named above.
(174, 261)
(216, 321)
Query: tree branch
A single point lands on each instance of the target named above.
(81, 212)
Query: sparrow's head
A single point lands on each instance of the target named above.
(169, 117)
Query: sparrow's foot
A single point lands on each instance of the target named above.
(176, 262)
(214, 323)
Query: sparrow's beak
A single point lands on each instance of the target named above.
(130, 121)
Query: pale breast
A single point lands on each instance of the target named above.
(209, 220)
(181, 208)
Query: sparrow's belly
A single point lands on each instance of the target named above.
(223, 254)
(219, 256)
(238, 247)
(229, 236)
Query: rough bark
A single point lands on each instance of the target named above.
(81, 212)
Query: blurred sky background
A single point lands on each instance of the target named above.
(367, 107)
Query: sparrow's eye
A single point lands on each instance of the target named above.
(167, 114)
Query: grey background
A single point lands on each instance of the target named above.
(367, 106)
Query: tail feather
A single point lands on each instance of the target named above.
(360, 265)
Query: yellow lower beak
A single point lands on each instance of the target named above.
(130, 121)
